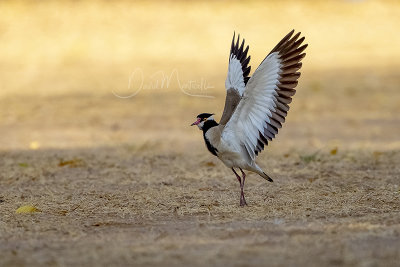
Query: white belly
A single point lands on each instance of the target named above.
(230, 155)
(232, 158)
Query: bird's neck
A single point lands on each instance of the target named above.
(209, 124)
(210, 143)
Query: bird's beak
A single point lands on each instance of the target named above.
(196, 122)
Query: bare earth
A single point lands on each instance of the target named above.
(115, 207)
(168, 201)
(127, 182)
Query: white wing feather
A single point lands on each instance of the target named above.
(234, 78)
(249, 118)
(263, 105)
(238, 76)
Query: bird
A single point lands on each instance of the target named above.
(255, 107)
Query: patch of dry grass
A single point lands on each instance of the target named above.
(120, 207)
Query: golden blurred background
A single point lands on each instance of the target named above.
(64, 64)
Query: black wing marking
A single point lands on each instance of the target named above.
(241, 55)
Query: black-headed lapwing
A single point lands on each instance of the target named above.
(255, 107)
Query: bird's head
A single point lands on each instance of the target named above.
(202, 118)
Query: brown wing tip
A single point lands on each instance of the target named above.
(288, 43)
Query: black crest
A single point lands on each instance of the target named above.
(204, 115)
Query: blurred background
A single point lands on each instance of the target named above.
(80, 74)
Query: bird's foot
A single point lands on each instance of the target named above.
(242, 201)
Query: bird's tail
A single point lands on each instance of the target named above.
(263, 174)
(266, 177)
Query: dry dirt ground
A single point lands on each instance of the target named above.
(126, 181)
(112, 206)
(143, 190)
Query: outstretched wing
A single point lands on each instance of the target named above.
(238, 76)
(264, 105)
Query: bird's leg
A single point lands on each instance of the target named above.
(242, 199)
(237, 176)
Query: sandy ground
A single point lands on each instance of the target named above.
(112, 206)
(151, 194)
(126, 181)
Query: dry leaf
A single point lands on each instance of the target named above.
(74, 163)
(334, 151)
(27, 209)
